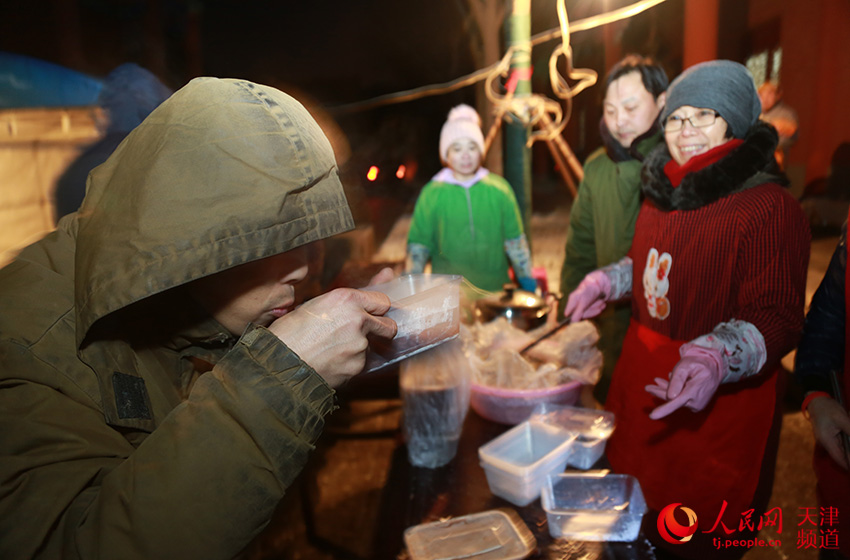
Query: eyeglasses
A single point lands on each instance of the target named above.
(700, 119)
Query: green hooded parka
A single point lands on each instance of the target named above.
(133, 425)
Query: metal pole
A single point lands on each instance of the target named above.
(517, 153)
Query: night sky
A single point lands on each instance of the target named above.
(335, 51)
(325, 52)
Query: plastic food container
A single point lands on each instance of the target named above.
(512, 406)
(592, 428)
(426, 308)
(517, 462)
(593, 507)
(489, 535)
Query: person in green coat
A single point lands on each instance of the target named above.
(466, 220)
(603, 215)
(160, 389)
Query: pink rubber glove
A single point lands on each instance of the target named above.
(589, 298)
(693, 381)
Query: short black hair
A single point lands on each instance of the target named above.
(651, 73)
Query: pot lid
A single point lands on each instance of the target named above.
(513, 298)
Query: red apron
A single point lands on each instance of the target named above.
(833, 487)
(696, 459)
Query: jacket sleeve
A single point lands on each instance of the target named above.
(821, 347)
(580, 249)
(200, 486)
(512, 226)
(422, 223)
(771, 270)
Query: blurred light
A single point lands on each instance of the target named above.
(400, 171)
(372, 174)
(410, 167)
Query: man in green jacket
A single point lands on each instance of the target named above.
(159, 388)
(603, 215)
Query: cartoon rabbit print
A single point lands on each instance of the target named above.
(656, 283)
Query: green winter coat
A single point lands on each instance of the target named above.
(465, 229)
(602, 225)
(117, 440)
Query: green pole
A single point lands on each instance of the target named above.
(517, 154)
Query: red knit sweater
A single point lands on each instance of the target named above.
(743, 256)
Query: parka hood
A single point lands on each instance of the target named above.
(222, 173)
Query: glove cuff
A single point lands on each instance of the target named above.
(520, 256)
(527, 284)
(417, 258)
(741, 346)
(619, 276)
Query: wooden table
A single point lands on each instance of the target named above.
(415, 495)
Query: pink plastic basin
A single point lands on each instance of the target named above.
(512, 406)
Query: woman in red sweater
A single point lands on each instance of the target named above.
(716, 275)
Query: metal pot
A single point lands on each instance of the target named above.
(524, 310)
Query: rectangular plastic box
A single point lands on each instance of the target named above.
(517, 462)
(592, 428)
(426, 308)
(593, 507)
(489, 535)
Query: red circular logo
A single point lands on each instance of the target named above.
(671, 530)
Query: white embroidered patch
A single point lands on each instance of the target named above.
(656, 283)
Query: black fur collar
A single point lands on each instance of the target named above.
(616, 151)
(750, 164)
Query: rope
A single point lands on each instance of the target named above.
(532, 110)
(482, 74)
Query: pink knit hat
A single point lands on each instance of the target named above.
(463, 122)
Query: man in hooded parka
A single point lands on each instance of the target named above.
(159, 390)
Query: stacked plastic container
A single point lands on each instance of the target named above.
(518, 462)
(529, 461)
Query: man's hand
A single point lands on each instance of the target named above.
(829, 420)
(329, 332)
(384, 275)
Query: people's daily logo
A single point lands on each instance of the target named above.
(671, 530)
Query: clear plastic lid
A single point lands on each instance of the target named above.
(497, 534)
(587, 423)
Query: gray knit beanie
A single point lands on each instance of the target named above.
(722, 85)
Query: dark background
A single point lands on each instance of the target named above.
(330, 53)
